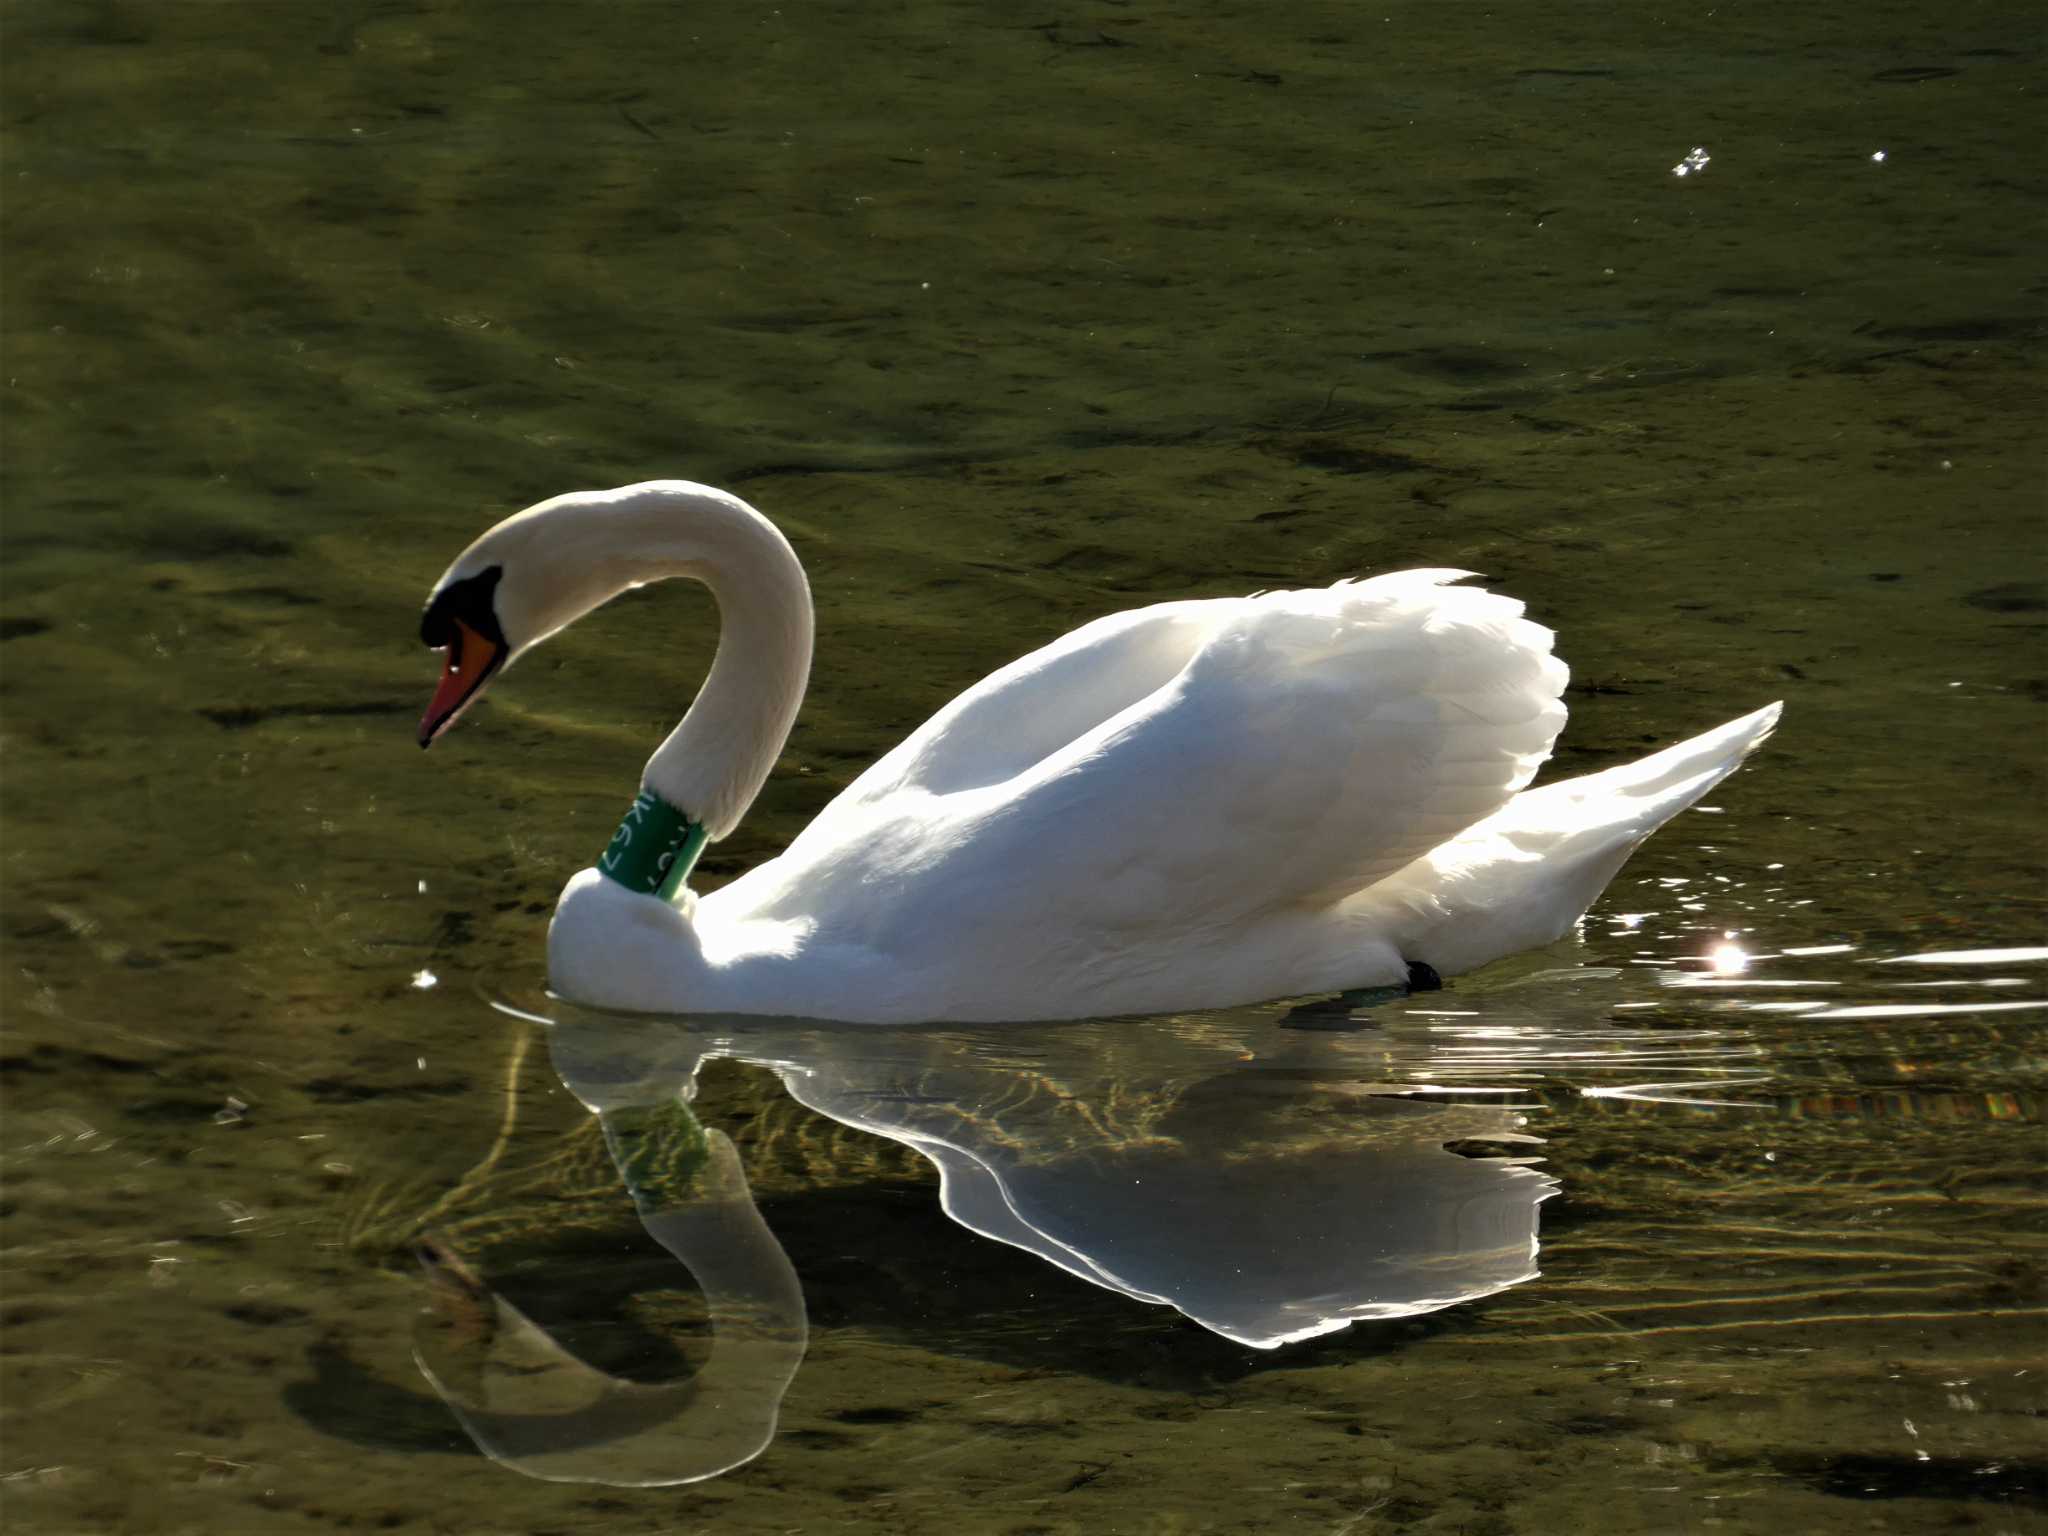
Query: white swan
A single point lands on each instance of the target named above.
(1191, 805)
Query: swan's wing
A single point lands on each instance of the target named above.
(1317, 742)
(1310, 743)
(1022, 713)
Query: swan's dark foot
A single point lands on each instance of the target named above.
(1422, 977)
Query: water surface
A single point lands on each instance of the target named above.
(1012, 320)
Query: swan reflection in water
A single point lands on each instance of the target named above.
(1270, 1183)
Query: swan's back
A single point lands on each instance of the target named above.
(1182, 768)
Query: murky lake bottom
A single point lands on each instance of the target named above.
(1010, 325)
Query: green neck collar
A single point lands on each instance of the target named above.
(654, 848)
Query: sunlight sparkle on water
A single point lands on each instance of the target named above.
(1927, 1011)
(1972, 957)
(425, 979)
(1729, 959)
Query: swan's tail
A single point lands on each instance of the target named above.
(1524, 875)
(1646, 793)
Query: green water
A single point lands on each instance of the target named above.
(1010, 319)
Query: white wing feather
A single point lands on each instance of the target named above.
(1189, 765)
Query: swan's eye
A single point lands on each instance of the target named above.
(469, 602)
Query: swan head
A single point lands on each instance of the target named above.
(531, 575)
(462, 623)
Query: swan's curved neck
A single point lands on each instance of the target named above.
(544, 568)
(716, 759)
(568, 555)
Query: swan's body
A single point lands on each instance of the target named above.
(1190, 805)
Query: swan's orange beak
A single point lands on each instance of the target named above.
(470, 659)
